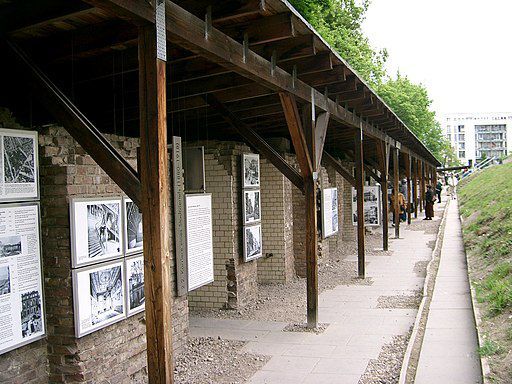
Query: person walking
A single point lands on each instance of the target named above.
(439, 189)
(429, 203)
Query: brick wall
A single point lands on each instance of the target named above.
(277, 224)
(116, 353)
(235, 282)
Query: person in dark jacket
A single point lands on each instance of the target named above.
(439, 189)
(429, 203)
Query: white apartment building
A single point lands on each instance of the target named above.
(477, 135)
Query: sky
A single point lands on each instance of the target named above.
(459, 49)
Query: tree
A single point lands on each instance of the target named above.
(339, 23)
(411, 104)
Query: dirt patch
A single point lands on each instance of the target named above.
(215, 361)
(287, 302)
(420, 268)
(386, 368)
(302, 327)
(400, 301)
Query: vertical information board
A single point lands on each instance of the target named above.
(21, 287)
(199, 239)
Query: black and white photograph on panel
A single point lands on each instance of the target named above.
(252, 206)
(370, 194)
(252, 242)
(135, 281)
(133, 227)
(371, 215)
(19, 178)
(19, 159)
(5, 280)
(31, 313)
(106, 289)
(95, 230)
(251, 170)
(334, 210)
(98, 296)
(10, 246)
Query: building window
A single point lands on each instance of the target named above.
(462, 154)
(461, 128)
(461, 137)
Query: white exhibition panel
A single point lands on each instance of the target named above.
(329, 212)
(22, 317)
(199, 239)
(19, 170)
(372, 206)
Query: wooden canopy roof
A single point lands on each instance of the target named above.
(241, 52)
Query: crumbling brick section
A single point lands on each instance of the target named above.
(116, 353)
(235, 282)
(277, 265)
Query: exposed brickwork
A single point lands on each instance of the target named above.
(116, 353)
(235, 282)
(277, 219)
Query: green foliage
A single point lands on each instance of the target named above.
(412, 105)
(485, 201)
(339, 22)
(489, 348)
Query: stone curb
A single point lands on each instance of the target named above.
(484, 361)
(423, 305)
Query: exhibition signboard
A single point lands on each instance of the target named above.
(372, 206)
(329, 212)
(199, 239)
(19, 175)
(22, 319)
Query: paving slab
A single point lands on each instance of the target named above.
(449, 350)
(357, 328)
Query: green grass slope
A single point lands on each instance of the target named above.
(485, 201)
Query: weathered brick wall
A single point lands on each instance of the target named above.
(28, 364)
(235, 282)
(116, 353)
(299, 224)
(277, 224)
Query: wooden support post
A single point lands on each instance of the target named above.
(304, 143)
(422, 184)
(415, 187)
(408, 166)
(358, 159)
(396, 208)
(382, 151)
(155, 208)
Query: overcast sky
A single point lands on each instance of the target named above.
(460, 49)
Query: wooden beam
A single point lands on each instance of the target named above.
(358, 159)
(79, 127)
(313, 64)
(155, 209)
(297, 134)
(415, 186)
(372, 173)
(288, 49)
(331, 161)
(383, 158)
(396, 207)
(257, 142)
(322, 122)
(264, 30)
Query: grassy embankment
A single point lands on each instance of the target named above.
(486, 207)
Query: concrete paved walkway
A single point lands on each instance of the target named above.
(357, 328)
(449, 350)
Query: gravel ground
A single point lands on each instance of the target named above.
(287, 302)
(386, 369)
(420, 268)
(400, 301)
(302, 327)
(215, 361)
